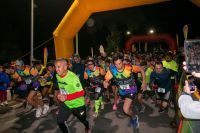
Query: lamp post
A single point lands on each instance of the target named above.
(32, 31)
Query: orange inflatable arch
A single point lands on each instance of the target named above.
(78, 14)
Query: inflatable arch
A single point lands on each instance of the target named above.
(196, 2)
(78, 14)
(151, 38)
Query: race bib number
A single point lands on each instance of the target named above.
(98, 89)
(124, 87)
(63, 92)
(161, 90)
(36, 89)
(28, 81)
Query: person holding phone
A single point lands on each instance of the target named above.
(189, 108)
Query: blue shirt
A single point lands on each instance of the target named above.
(162, 79)
(4, 81)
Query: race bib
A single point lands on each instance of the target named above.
(36, 89)
(124, 87)
(161, 90)
(63, 92)
(28, 81)
(98, 89)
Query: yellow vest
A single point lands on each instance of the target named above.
(170, 65)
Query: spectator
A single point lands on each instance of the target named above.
(189, 108)
(4, 83)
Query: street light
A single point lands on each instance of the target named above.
(32, 31)
(128, 33)
(151, 31)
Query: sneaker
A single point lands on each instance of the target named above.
(38, 112)
(88, 130)
(5, 103)
(2, 104)
(142, 109)
(114, 107)
(134, 122)
(45, 109)
(96, 114)
(102, 106)
(161, 110)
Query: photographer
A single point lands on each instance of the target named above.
(189, 108)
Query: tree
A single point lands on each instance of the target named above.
(114, 41)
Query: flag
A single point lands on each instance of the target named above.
(45, 56)
(185, 31)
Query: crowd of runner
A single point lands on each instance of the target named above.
(74, 84)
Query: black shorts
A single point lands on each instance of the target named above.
(129, 96)
(139, 84)
(163, 96)
(113, 82)
(21, 93)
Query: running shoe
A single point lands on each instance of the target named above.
(45, 109)
(134, 122)
(2, 104)
(114, 107)
(96, 114)
(102, 106)
(5, 103)
(38, 112)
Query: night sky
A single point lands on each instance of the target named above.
(168, 17)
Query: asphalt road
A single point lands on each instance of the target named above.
(18, 120)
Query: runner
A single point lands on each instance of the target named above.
(124, 77)
(71, 95)
(161, 83)
(95, 76)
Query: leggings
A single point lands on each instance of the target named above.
(65, 112)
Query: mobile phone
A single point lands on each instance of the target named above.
(191, 84)
(192, 55)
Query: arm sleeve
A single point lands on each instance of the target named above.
(108, 75)
(85, 75)
(190, 109)
(75, 95)
(136, 69)
(77, 86)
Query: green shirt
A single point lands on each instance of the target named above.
(68, 85)
(170, 65)
(148, 73)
